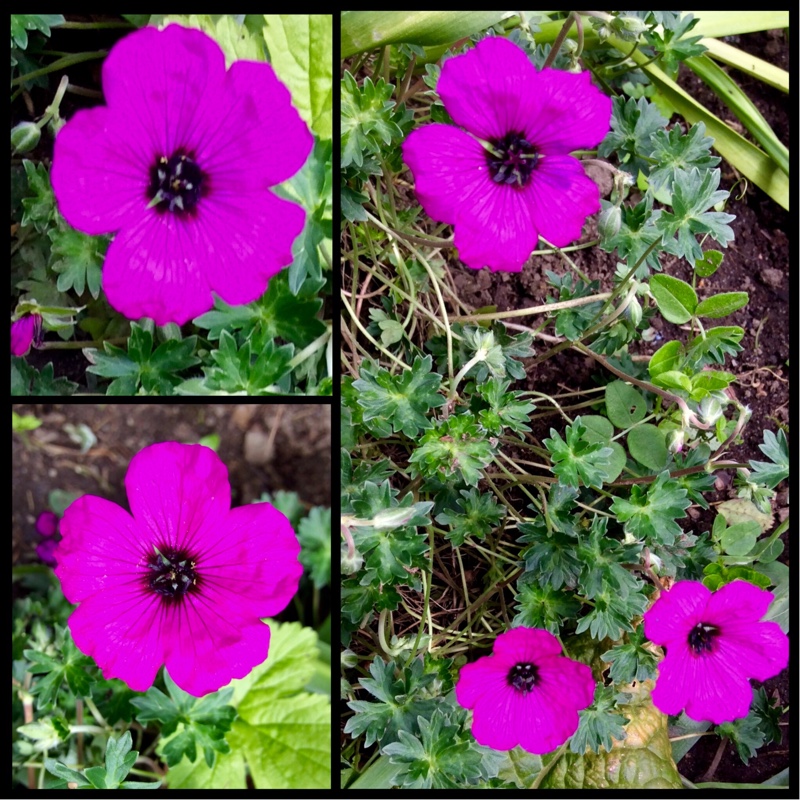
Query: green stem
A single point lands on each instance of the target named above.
(62, 63)
(86, 26)
(562, 34)
(545, 771)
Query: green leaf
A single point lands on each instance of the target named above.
(775, 448)
(402, 695)
(714, 346)
(80, 262)
(599, 724)
(673, 151)
(155, 370)
(709, 263)
(301, 51)
(22, 23)
(692, 194)
(475, 515)
(551, 558)
(675, 298)
(542, 606)
(455, 448)
(69, 666)
(282, 733)
(604, 558)
(665, 359)
(625, 406)
(439, 757)
(633, 124)
(24, 422)
(399, 403)
(506, 409)
(314, 533)
(39, 210)
(28, 381)
(577, 462)
(647, 444)
(632, 660)
(745, 734)
(197, 722)
(278, 313)
(720, 305)
(651, 511)
(236, 41)
(673, 46)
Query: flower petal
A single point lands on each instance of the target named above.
(102, 548)
(719, 690)
(759, 650)
(496, 718)
(244, 240)
(476, 678)
(256, 139)
(490, 90)
(676, 612)
(164, 82)
(209, 646)
(449, 167)
(251, 561)
(122, 630)
(572, 113)
(100, 172)
(674, 682)
(157, 268)
(737, 602)
(521, 644)
(560, 196)
(179, 492)
(22, 332)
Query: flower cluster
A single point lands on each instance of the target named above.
(526, 693)
(183, 580)
(508, 178)
(179, 164)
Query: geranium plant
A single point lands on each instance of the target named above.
(546, 581)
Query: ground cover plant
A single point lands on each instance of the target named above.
(563, 521)
(186, 643)
(171, 207)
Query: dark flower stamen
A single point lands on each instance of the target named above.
(176, 183)
(511, 160)
(701, 638)
(172, 573)
(523, 677)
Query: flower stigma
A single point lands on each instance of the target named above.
(172, 573)
(523, 677)
(176, 183)
(701, 638)
(511, 160)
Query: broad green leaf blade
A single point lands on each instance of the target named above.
(675, 298)
(648, 446)
(749, 64)
(720, 305)
(737, 101)
(301, 51)
(625, 405)
(733, 23)
(368, 30)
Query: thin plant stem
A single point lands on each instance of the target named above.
(62, 63)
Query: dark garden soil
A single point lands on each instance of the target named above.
(756, 262)
(265, 448)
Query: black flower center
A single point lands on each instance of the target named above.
(176, 183)
(701, 638)
(523, 677)
(172, 573)
(512, 160)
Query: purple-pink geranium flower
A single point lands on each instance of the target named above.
(526, 693)
(508, 178)
(24, 332)
(183, 580)
(180, 164)
(715, 643)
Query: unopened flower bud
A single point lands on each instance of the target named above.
(350, 563)
(632, 24)
(609, 221)
(348, 659)
(675, 441)
(25, 136)
(710, 410)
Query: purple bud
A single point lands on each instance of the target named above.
(47, 523)
(46, 552)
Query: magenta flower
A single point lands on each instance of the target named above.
(526, 693)
(508, 178)
(715, 643)
(183, 580)
(24, 332)
(180, 164)
(46, 551)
